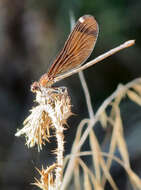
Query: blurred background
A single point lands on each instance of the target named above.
(32, 32)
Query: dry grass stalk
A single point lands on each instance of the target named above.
(117, 140)
(96, 148)
(88, 172)
(77, 176)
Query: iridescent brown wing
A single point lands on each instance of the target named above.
(77, 48)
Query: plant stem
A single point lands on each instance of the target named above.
(60, 157)
(120, 89)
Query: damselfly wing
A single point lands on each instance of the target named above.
(76, 50)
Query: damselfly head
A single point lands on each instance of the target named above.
(35, 87)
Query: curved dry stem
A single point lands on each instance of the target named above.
(95, 183)
(133, 177)
(120, 89)
(87, 94)
(89, 153)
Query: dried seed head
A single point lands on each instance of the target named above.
(53, 109)
(47, 177)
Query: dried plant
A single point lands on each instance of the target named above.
(131, 90)
(51, 113)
